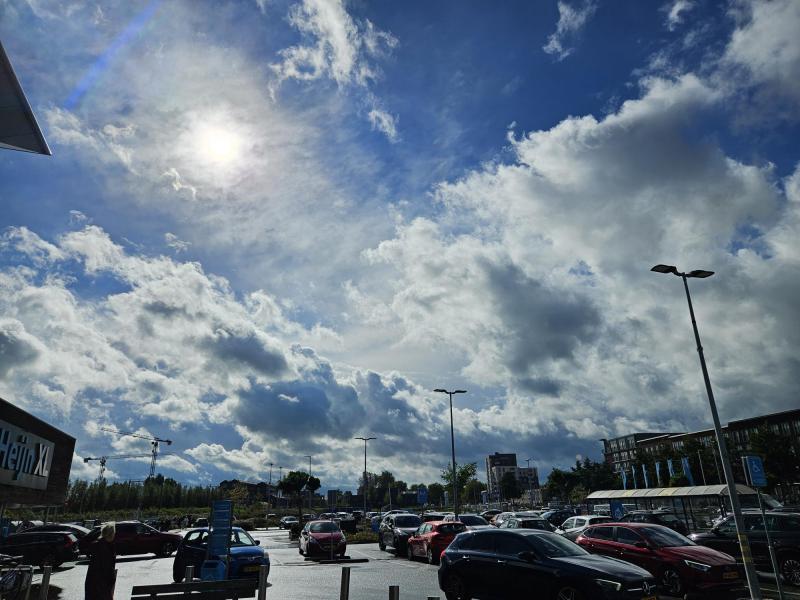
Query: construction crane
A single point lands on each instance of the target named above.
(154, 442)
(103, 459)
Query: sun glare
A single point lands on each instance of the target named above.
(218, 145)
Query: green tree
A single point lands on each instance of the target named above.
(294, 484)
(464, 473)
(435, 494)
(472, 491)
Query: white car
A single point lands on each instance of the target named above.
(572, 527)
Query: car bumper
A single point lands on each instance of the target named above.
(247, 570)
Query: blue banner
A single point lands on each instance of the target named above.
(658, 473)
(687, 469)
(633, 472)
(422, 495)
(644, 472)
(220, 535)
(670, 468)
(624, 479)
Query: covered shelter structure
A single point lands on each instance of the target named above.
(696, 505)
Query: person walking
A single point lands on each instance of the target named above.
(101, 574)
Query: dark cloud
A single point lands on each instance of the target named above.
(540, 385)
(15, 347)
(248, 350)
(542, 323)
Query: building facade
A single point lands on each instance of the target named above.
(497, 465)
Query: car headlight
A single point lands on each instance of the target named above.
(698, 566)
(607, 584)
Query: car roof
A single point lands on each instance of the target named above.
(207, 528)
(632, 525)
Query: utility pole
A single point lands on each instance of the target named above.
(530, 482)
(452, 447)
(309, 477)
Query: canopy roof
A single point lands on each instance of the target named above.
(18, 127)
(696, 490)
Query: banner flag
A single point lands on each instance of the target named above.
(658, 473)
(624, 479)
(687, 469)
(644, 472)
(670, 468)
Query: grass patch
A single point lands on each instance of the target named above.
(363, 537)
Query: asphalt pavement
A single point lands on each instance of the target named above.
(292, 577)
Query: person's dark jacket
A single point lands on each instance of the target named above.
(101, 574)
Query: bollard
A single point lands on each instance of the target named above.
(394, 592)
(344, 593)
(262, 582)
(189, 576)
(46, 570)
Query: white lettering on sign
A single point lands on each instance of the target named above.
(25, 459)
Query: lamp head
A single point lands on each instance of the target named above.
(440, 390)
(665, 269)
(700, 274)
(460, 392)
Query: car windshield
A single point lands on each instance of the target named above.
(662, 537)
(668, 517)
(241, 538)
(324, 527)
(534, 524)
(555, 546)
(407, 521)
(472, 520)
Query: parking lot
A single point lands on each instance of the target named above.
(291, 576)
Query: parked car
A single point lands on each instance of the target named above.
(527, 523)
(557, 517)
(523, 563)
(656, 517)
(309, 517)
(134, 537)
(395, 530)
(41, 547)
(784, 530)
(498, 519)
(431, 538)
(77, 530)
(472, 522)
(572, 527)
(433, 516)
(201, 522)
(246, 556)
(323, 538)
(679, 564)
(287, 522)
(490, 514)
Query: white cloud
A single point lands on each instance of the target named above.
(177, 244)
(676, 12)
(571, 19)
(384, 122)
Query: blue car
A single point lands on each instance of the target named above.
(246, 555)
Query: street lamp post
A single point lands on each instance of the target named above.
(365, 440)
(308, 481)
(530, 482)
(744, 544)
(453, 446)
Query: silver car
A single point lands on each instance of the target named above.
(572, 527)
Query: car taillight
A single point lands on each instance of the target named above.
(441, 556)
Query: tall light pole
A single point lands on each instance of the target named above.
(308, 481)
(453, 445)
(744, 544)
(365, 440)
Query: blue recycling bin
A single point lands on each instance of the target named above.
(212, 570)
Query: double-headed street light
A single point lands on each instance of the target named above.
(453, 445)
(365, 440)
(747, 559)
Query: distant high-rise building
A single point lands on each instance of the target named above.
(498, 464)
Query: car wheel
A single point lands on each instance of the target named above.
(456, 589)
(381, 545)
(432, 559)
(409, 552)
(166, 549)
(568, 593)
(671, 582)
(789, 567)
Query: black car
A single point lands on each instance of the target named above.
(396, 529)
(77, 530)
(784, 530)
(557, 517)
(516, 563)
(527, 523)
(656, 517)
(41, 547)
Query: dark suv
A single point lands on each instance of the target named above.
(395, 531)
(656, 517)
(784, 530)
(41, 547)
(134, 537)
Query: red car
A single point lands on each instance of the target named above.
(677, 562)
(323, 538)
(430, 539)
(134, 537)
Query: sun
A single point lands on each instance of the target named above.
(217, 145)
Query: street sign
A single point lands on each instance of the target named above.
(755, 471)
(220, 534)
(422, 495)
(617, 510)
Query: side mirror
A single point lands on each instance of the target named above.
(258, 542)
(527, 556)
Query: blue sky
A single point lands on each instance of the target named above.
(270, 226)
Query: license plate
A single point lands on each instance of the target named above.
(730, 575)
(251, 568)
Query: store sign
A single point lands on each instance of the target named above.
(25, 459)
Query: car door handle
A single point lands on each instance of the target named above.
(466, 558)
(501, 562)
